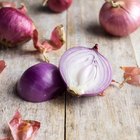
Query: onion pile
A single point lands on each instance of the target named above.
(16, 28)
(120, 17)
(40, 82)
(85, 71)
(57, 5)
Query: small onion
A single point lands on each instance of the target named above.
(120, 17)
(85, 71)
(40, 82)
(16, 27)
(57, 5)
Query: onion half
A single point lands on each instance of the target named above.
(85, 71)
(40, 82)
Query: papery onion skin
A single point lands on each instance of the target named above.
(69, 61)
(15, 27)
(132, 75)
(40, 82)
(58, 5)
(122, 19)
(23, 129)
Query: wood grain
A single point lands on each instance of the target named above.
(117, 115)
(50, 114)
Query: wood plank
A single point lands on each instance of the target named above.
(50, 114)
(117, 115)
(135, 41)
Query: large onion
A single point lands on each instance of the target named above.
(16, 28)
(85, 71)
(120, 17)
(40, 82)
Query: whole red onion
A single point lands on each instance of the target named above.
(16, 28)
(120, 17)
(85, 71)
(58, 5)
(40, 82)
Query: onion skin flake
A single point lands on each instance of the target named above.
(132, 75)
(22, 129)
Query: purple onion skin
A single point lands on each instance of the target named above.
(40, 82)
(15, 27)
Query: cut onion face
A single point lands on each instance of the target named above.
(85, 71)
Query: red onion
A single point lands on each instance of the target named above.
(58, 5)
(16, 28)
(85, 71)
(120, 17)
(40, 82)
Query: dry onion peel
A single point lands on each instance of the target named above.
(85, 71)
(56, 41)
(22, 129)
(131, 75)
(16, 28)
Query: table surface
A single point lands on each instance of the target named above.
(115, 116)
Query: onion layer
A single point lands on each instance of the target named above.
(40, 82)
(120, 17)
(85, 71)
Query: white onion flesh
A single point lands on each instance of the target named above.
(85, 71)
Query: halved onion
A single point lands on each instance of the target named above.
(85, 71)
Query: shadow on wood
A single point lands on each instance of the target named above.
(97, 30)
(42, 9)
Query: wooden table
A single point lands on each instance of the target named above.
(115, 116)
